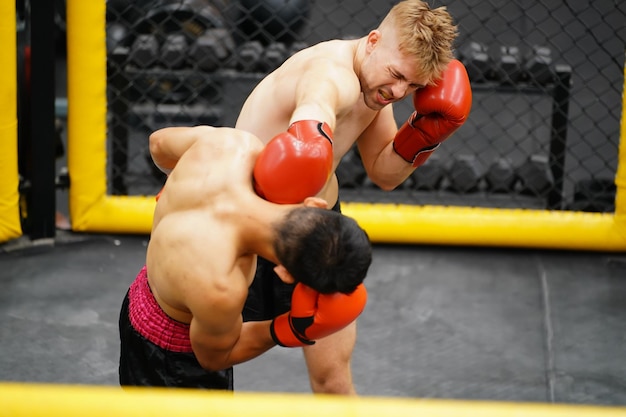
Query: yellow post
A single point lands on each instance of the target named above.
(10, 226)
(620, 178)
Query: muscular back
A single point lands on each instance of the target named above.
(194, 254)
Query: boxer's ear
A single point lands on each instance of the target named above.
(315, 202)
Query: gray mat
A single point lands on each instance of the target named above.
(441, 322)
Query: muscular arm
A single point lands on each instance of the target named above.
(167, 145)
(440, 109)
(219, 338)
(324, 91)
(383, 165)
(244, 341)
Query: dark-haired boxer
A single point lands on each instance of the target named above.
(181, 320)
(338, 93)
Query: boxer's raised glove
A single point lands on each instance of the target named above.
(440, 109)
(295, 164)
(314, 315)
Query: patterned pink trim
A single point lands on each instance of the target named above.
(150, 320)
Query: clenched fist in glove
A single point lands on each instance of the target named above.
(314, 315)
(440, 109)
(295, 164)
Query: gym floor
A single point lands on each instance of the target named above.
(441, 322)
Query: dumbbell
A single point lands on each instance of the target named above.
(273, 56)
(535, 175)
(500, 177)
(479, 65)
(249, 55)
(212, 49)
(117, 35)
(465, 173)
(144, 50)
(350, 172)
(174, 51)
(428, 176)
(538, 65)
(509, 64)
(594, 195)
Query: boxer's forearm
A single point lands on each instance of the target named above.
(254, 340)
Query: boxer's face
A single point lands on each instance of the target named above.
(387, 76)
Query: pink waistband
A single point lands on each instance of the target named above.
(147, 317)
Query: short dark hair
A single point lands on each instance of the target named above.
(323, 249)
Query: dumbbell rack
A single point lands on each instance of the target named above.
(122, 106)
(559, 90)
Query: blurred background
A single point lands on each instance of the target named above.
(547, 79)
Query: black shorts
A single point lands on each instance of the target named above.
(156, 350)
(268, 296)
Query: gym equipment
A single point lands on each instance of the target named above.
(212, 49)
(189, 17)
(535, 175)
(248, 56)
(117, 35)
(271, 20)
(509, 65)
(465, 173)
(479, 65)
(174, 51)
(144, 51)
(500, 176)
(594, 195)
(429, 175)
(538, 65)
(273, 56)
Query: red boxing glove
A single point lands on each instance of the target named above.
(439, 111)
(295, 164)
(314, 315)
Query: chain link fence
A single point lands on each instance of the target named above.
(547, 79)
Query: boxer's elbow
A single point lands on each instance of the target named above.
(387, 186)
(386, 183)
(155, 144)
(212, 363)
(159, 156)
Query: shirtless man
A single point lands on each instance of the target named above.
(181, 321)
(311, 110)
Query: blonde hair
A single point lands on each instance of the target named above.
(424, 33)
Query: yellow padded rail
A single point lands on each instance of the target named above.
(91, 210)
(10, 226)
(39, 400)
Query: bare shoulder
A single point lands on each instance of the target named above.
(228, 138)
(324, 70)
(335, 56)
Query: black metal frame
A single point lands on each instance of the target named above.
(37, 120)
